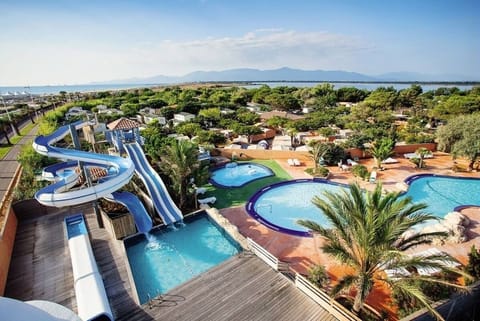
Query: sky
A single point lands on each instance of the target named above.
(60, 42)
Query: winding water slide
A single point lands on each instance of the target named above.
(59, 194)
(166, 208)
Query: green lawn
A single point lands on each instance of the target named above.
(4, 149)
(227, 197)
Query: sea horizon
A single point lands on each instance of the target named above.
(368, 85)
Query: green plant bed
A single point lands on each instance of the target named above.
(318, 172)
(228, 197)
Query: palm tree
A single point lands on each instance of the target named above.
(180, 163)
(367, 233)
(292, 132)
(316, 153)
(421, 152)
(381, 150)
(3, 128)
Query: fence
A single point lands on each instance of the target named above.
(324, 300)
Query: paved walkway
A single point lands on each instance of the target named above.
(9, 164)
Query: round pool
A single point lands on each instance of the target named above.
(238, 174)
(280, 205)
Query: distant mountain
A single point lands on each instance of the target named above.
(286, 74)
(282, 74)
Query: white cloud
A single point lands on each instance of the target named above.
(264, 49)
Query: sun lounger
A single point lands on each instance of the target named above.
(207, 200)
(415, 155)
(449, 263)
(390, 161)
(351, 162)
(373, 177)
(397, 273)
(345, 168)
(200, 190)
(290, 162)
(296, 162)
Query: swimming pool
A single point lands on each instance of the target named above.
(238, 174)
(172, 257)
(443, 194)
(280, 205)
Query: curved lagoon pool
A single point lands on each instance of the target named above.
(280, 205)
(238, 174)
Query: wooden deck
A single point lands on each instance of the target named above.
(243, 288)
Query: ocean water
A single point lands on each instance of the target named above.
(44, 90)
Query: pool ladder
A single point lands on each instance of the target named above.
(156, 301)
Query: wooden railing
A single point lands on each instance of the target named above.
(266, 256)
(324, 300)
(320, 297)
(6, 202)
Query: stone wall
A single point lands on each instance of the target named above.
(245, 154)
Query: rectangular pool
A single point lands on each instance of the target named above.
(166, 258)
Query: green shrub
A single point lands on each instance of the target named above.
(360, 171)
(319, 172)
(433, 291)
(318, 276)
(416, 161)
(473, 266)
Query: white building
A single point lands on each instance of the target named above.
(182, 117)
(75, 111)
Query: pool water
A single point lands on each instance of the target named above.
(239, 174)
(172, 257)
(280, 205)
(75, 225)
(443, 194)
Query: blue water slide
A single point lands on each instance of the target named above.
(60, 193)
(162, 201)
(143, 221)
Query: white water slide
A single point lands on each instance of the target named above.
(166, 208)
(59, 194)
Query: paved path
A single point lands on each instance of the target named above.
(9, 164)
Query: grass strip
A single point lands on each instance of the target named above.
(228, 197)
(4, 149)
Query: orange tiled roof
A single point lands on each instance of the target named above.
(123, 123)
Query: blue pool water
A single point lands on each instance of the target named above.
(239, 174)
(280, 205)
(174, 257)
(75, 225)
(443, 194)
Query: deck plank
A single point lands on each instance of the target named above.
(242, 288)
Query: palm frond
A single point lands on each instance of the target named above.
(344, 283)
